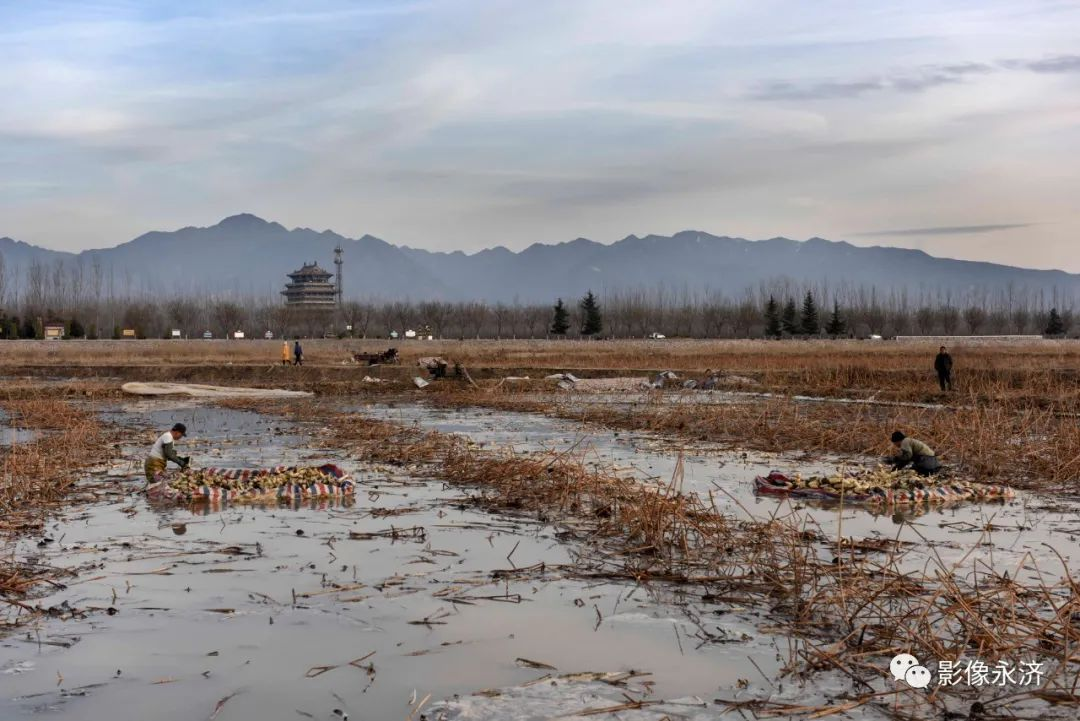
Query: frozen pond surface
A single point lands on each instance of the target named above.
(1003, 535)
(10, 436)
(266, 607)
(207, 604)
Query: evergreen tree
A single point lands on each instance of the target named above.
(836, 326)
(591, 321)
(772, 319)
(1055, 325)
(75, 329)
(560, 319)
(809, 324)
(12, 328)
(27, 330)
(789, 319)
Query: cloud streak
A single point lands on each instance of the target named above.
(945, 230)
(908, 81)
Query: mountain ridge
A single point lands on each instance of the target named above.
(246, 254)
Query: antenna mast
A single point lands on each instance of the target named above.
(338, 262)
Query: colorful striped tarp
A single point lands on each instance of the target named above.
(338, 485)
(779, 484)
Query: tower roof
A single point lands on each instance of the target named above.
(309, 268)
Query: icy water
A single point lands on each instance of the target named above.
(257, 612)
(10, 435)
(1004, 535)
(174, 610)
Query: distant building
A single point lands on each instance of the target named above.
(54, 331)
(310, 288)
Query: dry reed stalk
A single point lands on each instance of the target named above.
(1028, 448)
(37, 476)
(850, 614)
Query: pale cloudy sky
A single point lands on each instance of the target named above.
(948, 126)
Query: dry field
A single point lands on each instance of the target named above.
(1043, 374)
(1012, 417)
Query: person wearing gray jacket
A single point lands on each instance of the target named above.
(913, 452)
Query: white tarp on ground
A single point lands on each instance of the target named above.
(556, 699)
(201, 391)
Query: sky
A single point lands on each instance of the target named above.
(952, 127)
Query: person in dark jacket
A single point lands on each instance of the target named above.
(915, 453)
(297, 355)
(943, 366)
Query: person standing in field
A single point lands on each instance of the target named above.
(915, 453)
(163, 451)
(943, 366)
(284, 352)
(298, 354)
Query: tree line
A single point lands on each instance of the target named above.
(770, 311)
(95, 302)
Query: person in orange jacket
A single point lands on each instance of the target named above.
(284, 352)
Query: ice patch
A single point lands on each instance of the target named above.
(554, 698)
(15, 668)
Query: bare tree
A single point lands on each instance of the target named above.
(974, 317)
(434, 314)
(358, 315)
(182, 314)
(473, 316)
(501, 315)
(227, 316)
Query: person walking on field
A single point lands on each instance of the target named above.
(163, 451)
(915, 453)
(943, 366)
(298, 354)
(284, 352)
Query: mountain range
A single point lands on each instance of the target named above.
(244, 254)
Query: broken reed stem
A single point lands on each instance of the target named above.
(849, 614)
(37, 476)
(1030, 448)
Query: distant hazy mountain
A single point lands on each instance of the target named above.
(245, 254)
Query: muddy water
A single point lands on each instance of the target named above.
(1004, 535)
(174, 610)
(233, 603)
(10, 435)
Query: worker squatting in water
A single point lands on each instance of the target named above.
(163, 451)
(915, 453)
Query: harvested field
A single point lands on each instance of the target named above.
(577, 554)
(1044, 374)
